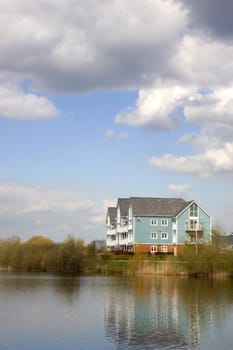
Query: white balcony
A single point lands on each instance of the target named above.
(111, 231)
(111, 243)
(193, 226)
(125, 241)
(195, 239)
(122, 229)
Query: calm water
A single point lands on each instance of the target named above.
(48, 312)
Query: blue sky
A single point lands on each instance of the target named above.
(113, 98)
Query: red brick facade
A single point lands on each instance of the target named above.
(157, 248)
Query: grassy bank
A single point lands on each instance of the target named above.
(40, 254)
(209, 262)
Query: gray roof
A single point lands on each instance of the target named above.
(147, 206)
(112, 213)
(170, 207)
(123, 203)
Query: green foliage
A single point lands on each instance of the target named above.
(9, 251)
(42, 254)
(115, 266)
(206, 260)
(218, 239)
(72, 256)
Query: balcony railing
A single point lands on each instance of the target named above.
(122, 229)
(111, 231)
(111, 243)
(193, 240)
(190, 226)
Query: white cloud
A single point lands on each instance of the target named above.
(108, 203)
(100, 217)
(24, 199)
(116, 136)
(157, 107)
(16, 104)
(51, 211)
(180, 190)
(109, 134)
(203, 61)
(199, 91)
(122, 136)
(214, 106)
(55, 212)
(211, 163)
(89, 44)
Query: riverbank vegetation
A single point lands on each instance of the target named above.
(42, 254)
(73, 256)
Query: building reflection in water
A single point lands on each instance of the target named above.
(161, 312)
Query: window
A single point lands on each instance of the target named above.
(124, 235)
(153, 249)
(193, 224)
(164, 222)
(164, 235)
(163, 249)
(194, 210)
(153, 235)
(154, 222)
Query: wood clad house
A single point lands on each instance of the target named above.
(156, 225)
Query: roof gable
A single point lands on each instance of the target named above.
(112, 213)
(123, 204)
(187, 205)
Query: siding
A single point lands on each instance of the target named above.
(204, 220)
(143, 230)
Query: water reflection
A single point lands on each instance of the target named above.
(157, 313)
(14, 283)
(107, 313)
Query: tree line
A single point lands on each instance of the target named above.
(44, 255)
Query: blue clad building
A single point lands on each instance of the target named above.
(156, 225)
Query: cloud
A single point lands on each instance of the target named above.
(157, 108)
(15, 104)
(116, 136)
(23, 199)
(109, 134)
(199, 64)
(211, 163)
(176, 54)
(198, 92)
(54, 212)
(202, 61)
(88, 45)
(217, 106)
(180, 190)
(101, 217)
(212, 16)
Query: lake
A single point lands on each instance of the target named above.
(40, 311)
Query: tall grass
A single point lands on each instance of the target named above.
(206, 260)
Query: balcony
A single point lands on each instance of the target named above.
(195, 238)
(122, 229)
(111, 244)
(193, 226)
(111, 231)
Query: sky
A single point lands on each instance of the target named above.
(112, 98)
